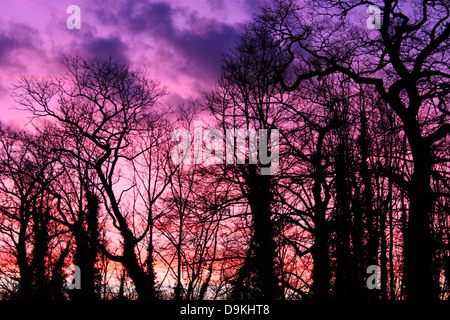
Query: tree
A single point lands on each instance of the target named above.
(98, 109)
(151, 173)
(405, 62)
(246, 103)
(28, 169)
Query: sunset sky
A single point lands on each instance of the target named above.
(317, 169)
(179, 43)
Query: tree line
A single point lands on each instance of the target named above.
(362, 179)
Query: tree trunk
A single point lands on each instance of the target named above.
(179, 286)
(418, 246)
(383, 245)
(40, 248)
(144, 287)
(86, 238)
(344, 277)
(26, 277)
(319, 251)
(150, 259)
(260, 198)
(140, 278)
(370, 256)
(391, 245)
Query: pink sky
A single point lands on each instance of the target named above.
(177, 42)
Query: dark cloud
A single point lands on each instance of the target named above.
(198, 46)
(204, 51)
(107, 47)
(20, 52)
(7, 45)
(88, 45)
(19, 45)
(16, 38)
(144, 16)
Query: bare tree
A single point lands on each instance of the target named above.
(101, 105)
(406, 62)
(28, 169)
(248, 101)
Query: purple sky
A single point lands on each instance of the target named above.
(178, 42)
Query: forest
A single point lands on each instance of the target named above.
(323, 149)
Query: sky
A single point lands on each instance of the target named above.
(178, 42)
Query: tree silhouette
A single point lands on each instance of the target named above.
(99, 106)
(357, 128)
(405, 63)
(28, 169)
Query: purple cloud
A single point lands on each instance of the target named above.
(197, 45)
(179, 43)
(106, 47)
(17, 38)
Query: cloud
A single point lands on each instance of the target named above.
(107, 47)
(203, 51)
(145, 16)
(17, 39)
(194, 43)
(89, 45)
(20, 46)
